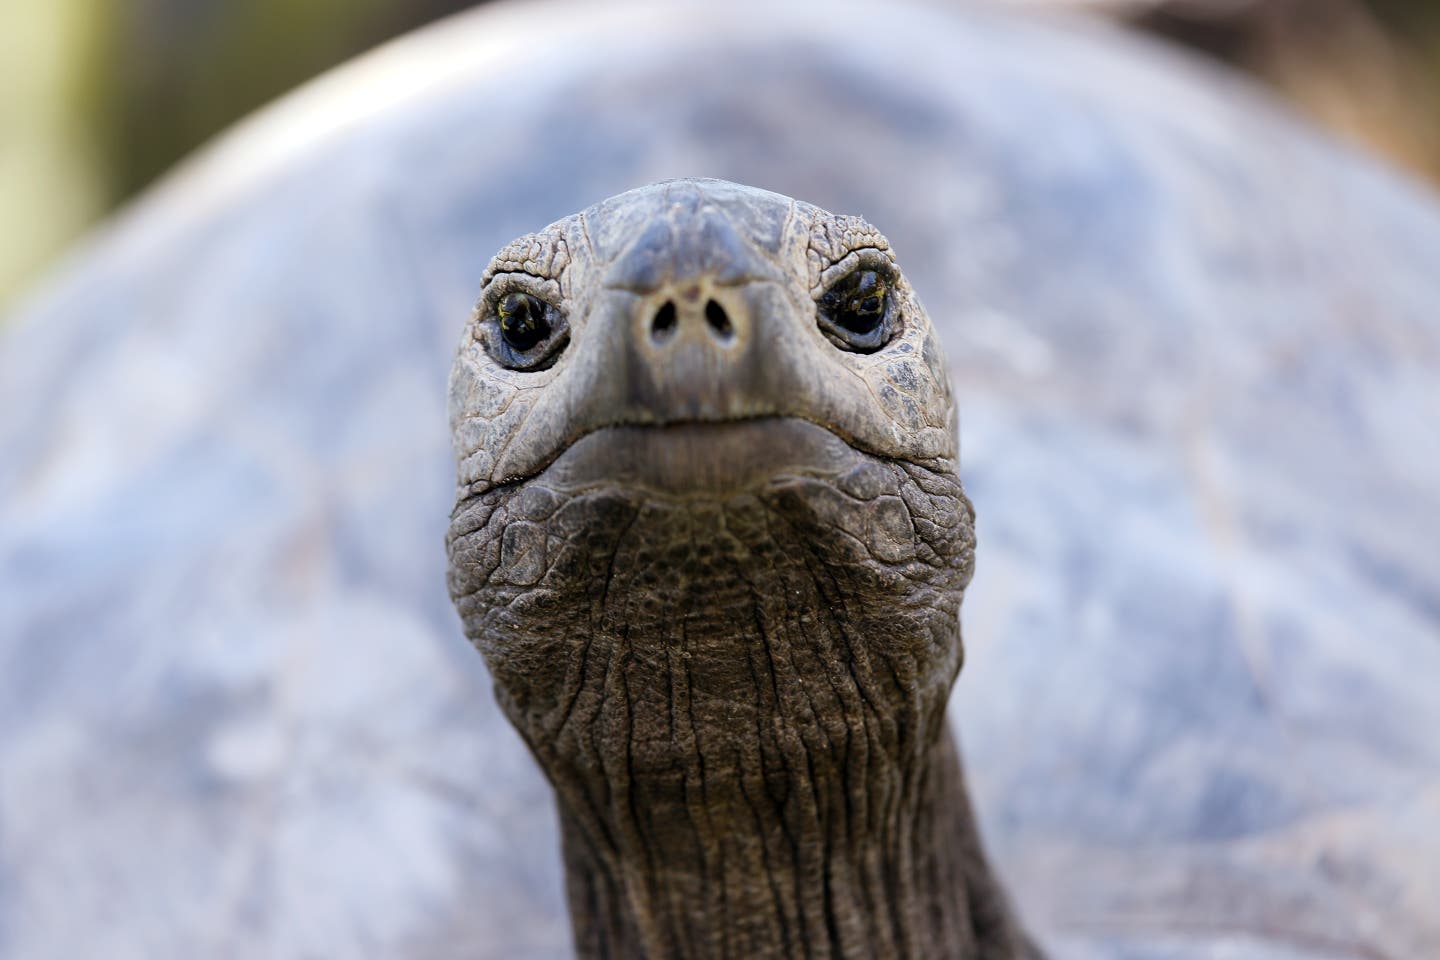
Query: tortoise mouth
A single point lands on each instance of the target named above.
(709, 458)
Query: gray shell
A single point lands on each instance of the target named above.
(1197, 350)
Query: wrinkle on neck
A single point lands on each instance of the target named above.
(741, 703)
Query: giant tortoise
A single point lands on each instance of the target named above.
(1194, 346)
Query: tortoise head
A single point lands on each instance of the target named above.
(708, 512)
(689, 303)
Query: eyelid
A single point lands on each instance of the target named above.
(506, 283)
(870, 258)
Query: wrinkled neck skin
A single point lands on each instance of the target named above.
(740, 701)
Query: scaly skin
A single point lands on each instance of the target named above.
(715, 568)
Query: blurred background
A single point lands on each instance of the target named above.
(102, 96)
(1197, 352)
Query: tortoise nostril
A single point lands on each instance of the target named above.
(719, 321)
(664, 323)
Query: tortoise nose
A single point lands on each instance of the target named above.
(691, 348)
(702, 299)
(714, 320)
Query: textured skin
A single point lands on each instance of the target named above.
(737, 685)
(1195, 347)
(764, 261)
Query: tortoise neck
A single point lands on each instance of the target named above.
(741, 706)
(888, 865)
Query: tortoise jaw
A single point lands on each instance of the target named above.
(700, 458)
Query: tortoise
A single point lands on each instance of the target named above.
(1193, 344)
(710, 538)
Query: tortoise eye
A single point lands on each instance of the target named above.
(522, 321)
(527, 333)
(855, 311)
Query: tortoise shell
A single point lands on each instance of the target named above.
(1197, 353)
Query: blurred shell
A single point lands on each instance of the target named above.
(1197, 349)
